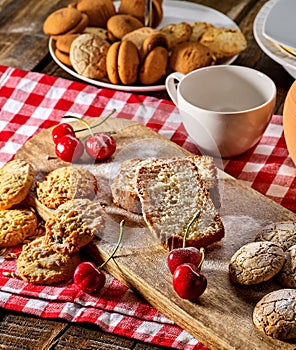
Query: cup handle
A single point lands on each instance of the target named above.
(171, 85)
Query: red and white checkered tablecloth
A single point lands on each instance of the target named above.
(31, 102)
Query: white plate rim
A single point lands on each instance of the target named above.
(168, 5)
(269, 27)
(269, 47)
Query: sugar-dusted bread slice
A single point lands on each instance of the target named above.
(171, 193)
(125, 194)
(123, 189)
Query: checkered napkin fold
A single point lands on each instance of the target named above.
(31, 102)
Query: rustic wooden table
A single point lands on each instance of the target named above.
(23, 45)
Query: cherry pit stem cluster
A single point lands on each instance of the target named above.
(70, 148)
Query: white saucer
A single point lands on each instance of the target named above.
(174, 12)
(269, 47)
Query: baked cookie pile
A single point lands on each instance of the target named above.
(271, 255)
(50, 249)
(101, 42)
(17, 223)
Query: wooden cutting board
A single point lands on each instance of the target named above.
(222, 318)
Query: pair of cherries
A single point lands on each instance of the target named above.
(90, 278)
(70, 148)
(185, 265)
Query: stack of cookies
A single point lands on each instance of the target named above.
(113, 45)
(51, 249)
(17, 223)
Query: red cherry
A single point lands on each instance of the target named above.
(188, 283)
(100, 146)
(88, 278)
(61, 130)
(69, 148)
(180, 256)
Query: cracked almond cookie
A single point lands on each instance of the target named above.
(73, 225)
(256, 262)
(281, 233)
(39, 263)
(15, 226)
(275, 314)
(16, 180)
(287, 275)
(64, 184)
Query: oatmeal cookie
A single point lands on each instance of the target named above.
(275, 315)
(64, 184)
(15, 226)
(73, 225)
(39, 263)
(198, 29)
(177, 33)
(16, 180)
(256, 262)
(281, 233)
(224, 42)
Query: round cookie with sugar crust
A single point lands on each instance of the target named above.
(16, 225)
(88, 55)
(61, 21)
(282, 233)
(16, 180)
(256, 262)
(39, 263)
(287, 275)
(73, 225)
(275, 314)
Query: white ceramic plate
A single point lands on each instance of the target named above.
(269, 47)
(280, 23)
(174, 12)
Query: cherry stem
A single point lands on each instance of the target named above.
(88, 126)
(202, 250)
(116, 247)
(196, 216)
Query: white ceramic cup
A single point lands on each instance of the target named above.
(225, 108)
